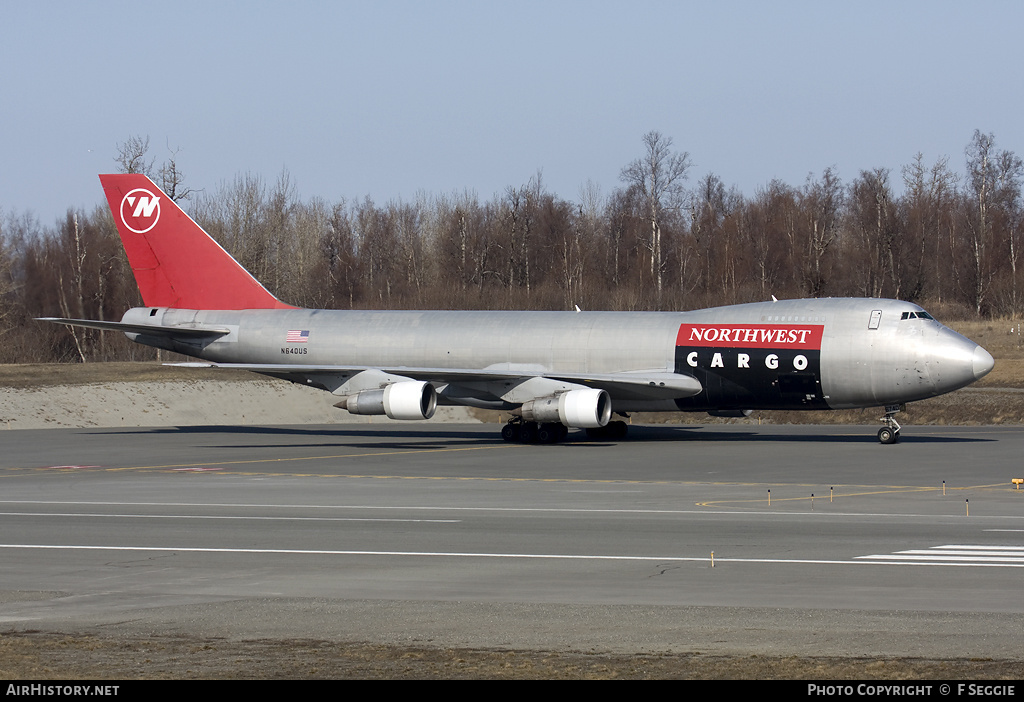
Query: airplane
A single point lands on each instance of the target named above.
(552, 371)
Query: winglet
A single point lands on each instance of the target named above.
(175, 262)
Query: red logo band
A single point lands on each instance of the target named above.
(751, 336)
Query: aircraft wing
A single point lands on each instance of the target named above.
(632, 385)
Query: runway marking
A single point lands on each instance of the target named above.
(958, 555)
(212, 516)
(515, 556)
(205, 466)
(824, 495)
(204, 469)
(548, 510)
(313, 458)
(208, 468)
(70, 467)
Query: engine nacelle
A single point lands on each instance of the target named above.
(585, 409)
(410, 399)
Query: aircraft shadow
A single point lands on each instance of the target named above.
(842, 435)
(442, 436)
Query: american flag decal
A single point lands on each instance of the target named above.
(296, 336)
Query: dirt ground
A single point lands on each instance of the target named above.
(36, 375)
(39, 656)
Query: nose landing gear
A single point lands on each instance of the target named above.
(890, 433)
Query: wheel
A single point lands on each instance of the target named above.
(887, 436)
(509, 432)
(528, 432)
(550, 433)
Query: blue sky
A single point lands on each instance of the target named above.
(388, 99)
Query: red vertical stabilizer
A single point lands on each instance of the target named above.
(175, 262)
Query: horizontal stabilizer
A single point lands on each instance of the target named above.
(148, 329)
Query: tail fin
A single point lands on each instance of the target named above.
(175, 262)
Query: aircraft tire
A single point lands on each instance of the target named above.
(887, 436)
(528, 432)
(551, 433)
(510, 432)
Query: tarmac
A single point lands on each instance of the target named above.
(441, 534)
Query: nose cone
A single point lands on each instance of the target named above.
(983, 363)
(955, 361)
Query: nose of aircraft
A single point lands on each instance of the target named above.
(955, 361)
(983, 363)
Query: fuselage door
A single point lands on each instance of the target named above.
(876, 317)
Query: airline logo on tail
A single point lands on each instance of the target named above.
(140, 210)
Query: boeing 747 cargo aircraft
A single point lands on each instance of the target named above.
(552, 371)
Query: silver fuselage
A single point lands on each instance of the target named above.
(794, 354)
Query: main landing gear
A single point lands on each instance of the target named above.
(890, 433)
(532, 433)
(519, 431)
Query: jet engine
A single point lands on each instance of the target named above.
(410, 399)
(585, 409)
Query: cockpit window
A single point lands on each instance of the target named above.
(916, 315)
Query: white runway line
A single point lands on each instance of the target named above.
(957, 554)
(859, 560)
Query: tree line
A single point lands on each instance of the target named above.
(658, 241)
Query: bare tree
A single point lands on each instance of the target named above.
(875, 248)
(585, 233)
(769, 221)
(708, 212)
(171, 178)
(929, 205)
(821, 202)
(6, 279)
(992, 215)
(658, 177)
(131, 156)
(339, 256)
(1008, 219)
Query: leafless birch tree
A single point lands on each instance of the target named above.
(658, 177)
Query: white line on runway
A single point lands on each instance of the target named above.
(957, 554)
(538, 556)
(554, 510)
(212, 516)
